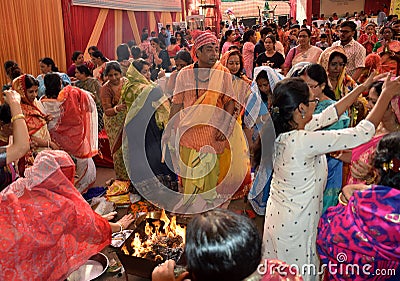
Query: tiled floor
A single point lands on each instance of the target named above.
(103, 175)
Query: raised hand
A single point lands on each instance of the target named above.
(126, 220)
(374, 76)
(391, 86)
(12, 97)
(360, 170)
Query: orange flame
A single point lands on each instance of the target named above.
(154, 232)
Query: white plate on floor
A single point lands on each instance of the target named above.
(93, 268)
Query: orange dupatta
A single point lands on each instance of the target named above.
(34, 118)
(192, 116)
(389, 62)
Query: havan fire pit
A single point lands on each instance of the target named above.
(155, 238)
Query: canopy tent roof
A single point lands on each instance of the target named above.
(250, 8)
(136, 5)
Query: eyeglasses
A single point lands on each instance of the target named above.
(316, 100)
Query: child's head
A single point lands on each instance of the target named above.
(323, 38)
(52, 82)
(263, 83)
(221, 245)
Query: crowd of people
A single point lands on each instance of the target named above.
(311, 112)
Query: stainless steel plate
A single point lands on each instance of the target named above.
(118, 238)
(93, 268)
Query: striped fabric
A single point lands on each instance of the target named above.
(254, 102)
(202, 38)
(250, 8)
(137, 5)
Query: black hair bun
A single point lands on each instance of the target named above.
(5, 113)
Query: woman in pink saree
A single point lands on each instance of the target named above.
(360, 237)
(361, 156)
(250, 39)
(304, 52)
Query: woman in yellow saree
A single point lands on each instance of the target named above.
(334, 60)
(147, 115)
(114, 115)
(233, 60)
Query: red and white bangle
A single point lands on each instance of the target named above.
(121, 227)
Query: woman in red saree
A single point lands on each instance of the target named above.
(36, 120)
(47, 229)
(73, 127)
(369, 38)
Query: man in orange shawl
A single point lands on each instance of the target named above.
(204, 98)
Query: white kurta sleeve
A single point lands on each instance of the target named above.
(323, 119)
(320, 142)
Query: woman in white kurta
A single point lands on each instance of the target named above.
(300, 169)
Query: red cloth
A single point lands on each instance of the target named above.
(47, 229)
(74, 128)
(104, 158)
(77, 38)
(202, 38)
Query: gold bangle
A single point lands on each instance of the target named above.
(115, 109)
(341, 201)
(370, 180)
(16, 117)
